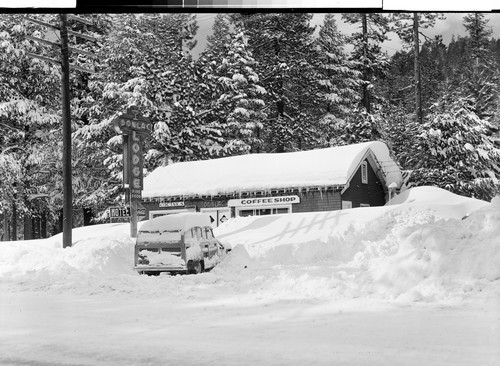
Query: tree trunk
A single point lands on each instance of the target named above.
(366, 76)
(280, 104)
(43, 225)
(6, 226)
(14, 221)
(418, 85)
(28, 227)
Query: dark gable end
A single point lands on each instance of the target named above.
(372, 193)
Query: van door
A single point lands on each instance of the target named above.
(209, 247)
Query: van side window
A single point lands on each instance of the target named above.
(194, 234)
(208, 233)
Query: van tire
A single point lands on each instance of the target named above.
(196, 268)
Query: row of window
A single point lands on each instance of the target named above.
(199, 233)
(263, 211)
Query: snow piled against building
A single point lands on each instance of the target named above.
(428, 245)
(314, 168)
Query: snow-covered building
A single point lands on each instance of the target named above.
(326, 179)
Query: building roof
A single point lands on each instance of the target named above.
(326, 167)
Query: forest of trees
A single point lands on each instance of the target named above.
(265, 82)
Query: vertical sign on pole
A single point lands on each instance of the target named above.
(133, 127)
(135, 177)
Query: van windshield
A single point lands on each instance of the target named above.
(159, 236)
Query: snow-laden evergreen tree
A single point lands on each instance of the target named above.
(90, 174)
(481, 85)
(284, 48)
(231, 89)
(29, 121)
(338, 78)
(479, 31)
(433, 62)
(145, 63)
(372, 62)
(453, 151)
(395, 88)
(359, 126)
(409, 27)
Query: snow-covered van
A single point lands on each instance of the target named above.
(178, 243)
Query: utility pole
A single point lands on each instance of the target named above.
(66, 120)
(66, 112)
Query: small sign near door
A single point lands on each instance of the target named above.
(217, 215)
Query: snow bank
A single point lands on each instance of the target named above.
(419, 248)
(416, 249)
(99, 250)
(444, 203)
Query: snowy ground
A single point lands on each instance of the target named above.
(406, 284)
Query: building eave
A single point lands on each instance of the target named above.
(239, 194)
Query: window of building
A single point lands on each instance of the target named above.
(364, 172)
(262, 211)
(158, 213)
(346, 205)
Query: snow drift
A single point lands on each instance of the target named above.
(428, 245)
(104, 250)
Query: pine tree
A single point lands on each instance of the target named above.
(145, 64)
(482, 84)
(283, 46)
(221, 33)
(394, 88)
(479, 32)
(339, 79)
(372, 61)
(30, 122)
(453, 151)
(433, 61)
(408, 26)
(231, 90)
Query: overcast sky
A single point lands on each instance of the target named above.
(452, 25)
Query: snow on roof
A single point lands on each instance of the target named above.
(175, 222)
(314, 168)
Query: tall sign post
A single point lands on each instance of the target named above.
(133, 127)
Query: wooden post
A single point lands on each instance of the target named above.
(67, 181)
(133, 218)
